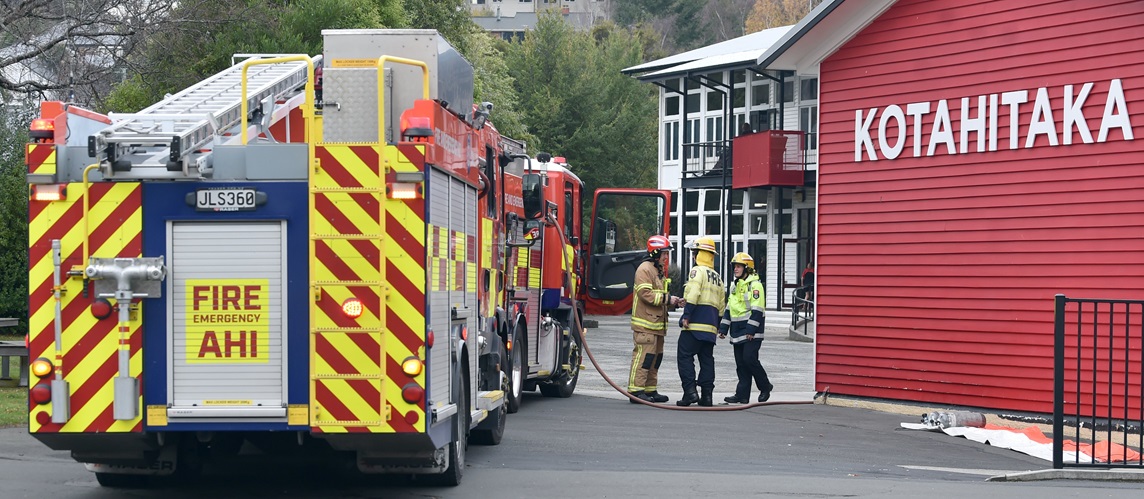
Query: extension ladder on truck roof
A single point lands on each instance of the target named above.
(173, 138)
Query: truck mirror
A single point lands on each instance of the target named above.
(533, 194)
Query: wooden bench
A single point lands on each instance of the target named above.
(13, 349)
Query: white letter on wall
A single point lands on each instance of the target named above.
(862, 138)
(1014, 101)
(916, 111)
(976, 125)
(893, 111)
(942, 130)
(1074, 115)
(1042, 121)
(1120, 118)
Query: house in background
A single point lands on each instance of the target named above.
(511, 19)
(715, 106)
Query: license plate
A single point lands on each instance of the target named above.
(225, 199)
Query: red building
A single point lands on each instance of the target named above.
(976, 158)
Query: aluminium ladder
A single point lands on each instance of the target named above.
(173, 138)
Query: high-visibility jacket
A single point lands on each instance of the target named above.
(746, 309)
(705, 300)
(650, 300)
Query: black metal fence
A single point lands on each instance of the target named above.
(802, 314)
(1097, 385)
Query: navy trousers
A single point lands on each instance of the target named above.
(688, 348)
(748, 368)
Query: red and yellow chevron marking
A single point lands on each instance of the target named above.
(89, 346)
(40, 158)
(371, 248)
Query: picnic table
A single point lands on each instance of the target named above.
(13, 349)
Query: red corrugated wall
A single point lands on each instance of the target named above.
(936, 274)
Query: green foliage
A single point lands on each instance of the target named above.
(494, 83)
(13, 406)
(14, 216)
(578, 104)
(205, 40)
(450, 17)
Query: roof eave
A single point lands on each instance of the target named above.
(820, 34)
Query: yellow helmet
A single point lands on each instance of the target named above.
(704, 243)
(743, 259)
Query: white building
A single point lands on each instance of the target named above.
(707, 97)
(511, 19)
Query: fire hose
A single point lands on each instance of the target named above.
(584, 344)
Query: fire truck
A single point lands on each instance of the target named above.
(353, 265)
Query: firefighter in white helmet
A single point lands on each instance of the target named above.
(650, 304)
(704, 297)
(744, 320)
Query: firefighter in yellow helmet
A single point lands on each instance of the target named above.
(650, 303)
(744, 320)
(704, 299)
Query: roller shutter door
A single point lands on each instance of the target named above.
(227, 312)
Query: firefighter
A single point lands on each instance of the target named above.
(744, 319)
(703, 296)
(650, 304)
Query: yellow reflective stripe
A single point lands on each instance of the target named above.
(706, 328)
(642, 286)
(656, 326)
(636, 357)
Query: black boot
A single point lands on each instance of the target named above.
(735, 399)
(705, 399)
(639, 395)
(689, 397)
(656, 397)
(765, 395)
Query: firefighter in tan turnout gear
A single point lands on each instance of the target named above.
(650, 304)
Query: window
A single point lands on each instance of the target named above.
(739, 97)
(714, 227)
(736, 223)
(568, 209)
(691, 225)
(783, 217)
(692, 103)
(759, 223)
(712, 201)
(714, 134)
(671, 106)
(808, 122)
(714, 100)
(760, 93)
(691, 84)
(737, 200)
(739, 76)
(788, 91)
(672, 84)
(671, 141)
(691, 201)
(808, 89)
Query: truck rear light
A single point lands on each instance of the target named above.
(42, 367)
(42, 128)
(49, 192)
(41, 393)
(416, 127)
(429, 337)
(352, 307)
(403, 190)
(101, 308)
(411, 366)
(412, 393)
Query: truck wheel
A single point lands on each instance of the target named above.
(452, 475)
(515, 375)
(491, 430)
(566, 384)
(120, 481)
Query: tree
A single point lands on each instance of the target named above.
(578, 104)
(774, 13)
(72, 48)
(14, 210)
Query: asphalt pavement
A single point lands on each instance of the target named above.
(789, 361)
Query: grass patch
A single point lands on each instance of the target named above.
(13, 399)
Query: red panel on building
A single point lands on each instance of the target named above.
(977, 158)
(774, 157)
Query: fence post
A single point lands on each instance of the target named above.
(1058, 381)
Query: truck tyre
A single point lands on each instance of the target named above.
(491, 430)
(516, 372)
(563, 386)
(452, 475)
